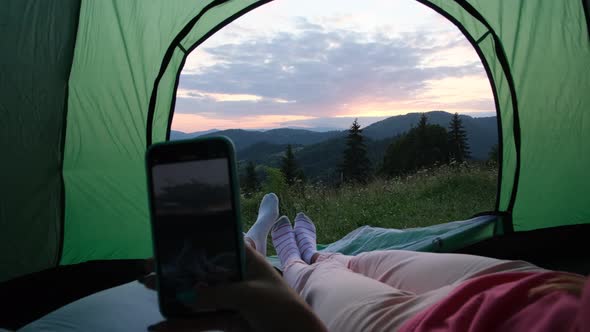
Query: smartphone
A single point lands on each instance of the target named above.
(195, 218)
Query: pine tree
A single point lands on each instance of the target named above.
(251, 183)
(458, 145)
(422, 146)
(355, 166)
(423, 121)
(289, 167)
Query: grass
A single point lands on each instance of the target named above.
(429, 197)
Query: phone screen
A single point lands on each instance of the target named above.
(195, 229)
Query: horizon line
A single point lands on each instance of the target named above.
(332, 128)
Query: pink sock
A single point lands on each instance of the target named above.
(305, 234)
(283, 239)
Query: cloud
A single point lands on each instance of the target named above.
(332, 123)
(319, 72)
(226, 97)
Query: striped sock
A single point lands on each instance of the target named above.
(283, 239)
(306, 236)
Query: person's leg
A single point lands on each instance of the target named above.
(283, 240)
(420, 272)
(412, 271)
(268, 214)
(348, 301)
(305, 234)
(345, 300)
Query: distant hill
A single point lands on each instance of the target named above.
(263, 153)
(246, 138)
(320, 161)
(176, 135)
(482, 132)
(319, 153)
(318, 129)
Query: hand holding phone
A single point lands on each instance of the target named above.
(196, 228)
(263, 302)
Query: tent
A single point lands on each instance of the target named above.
(86, 86)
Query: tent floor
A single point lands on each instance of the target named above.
(560, 248)
(30, 297)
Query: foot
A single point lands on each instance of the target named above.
(267, 216)
(305, 235)
(283, 238)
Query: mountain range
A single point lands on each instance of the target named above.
(319, 153)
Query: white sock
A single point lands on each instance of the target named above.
(305, 234)
(283, 238)
(267, 216)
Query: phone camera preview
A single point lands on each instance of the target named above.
(194, 228)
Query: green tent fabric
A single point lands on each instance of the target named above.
(35, 63)
(86, 86)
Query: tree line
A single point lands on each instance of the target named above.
(426, 145)
(423, 146)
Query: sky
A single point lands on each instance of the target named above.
(322, 63)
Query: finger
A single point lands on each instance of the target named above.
(257, 266)
(549, 288)
(213, 321)
(149, 281)
(248, 242)
(568, 278)
(571, 283)
(252, 254)
(149, 265)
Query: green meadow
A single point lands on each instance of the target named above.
(429, 197)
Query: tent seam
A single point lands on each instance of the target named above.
(487, 68)
(502, 58)
(195, 45)
(60, 247)
(586, 7)
(483, 37)
(166, 61)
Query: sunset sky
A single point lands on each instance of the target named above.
(310, 63)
